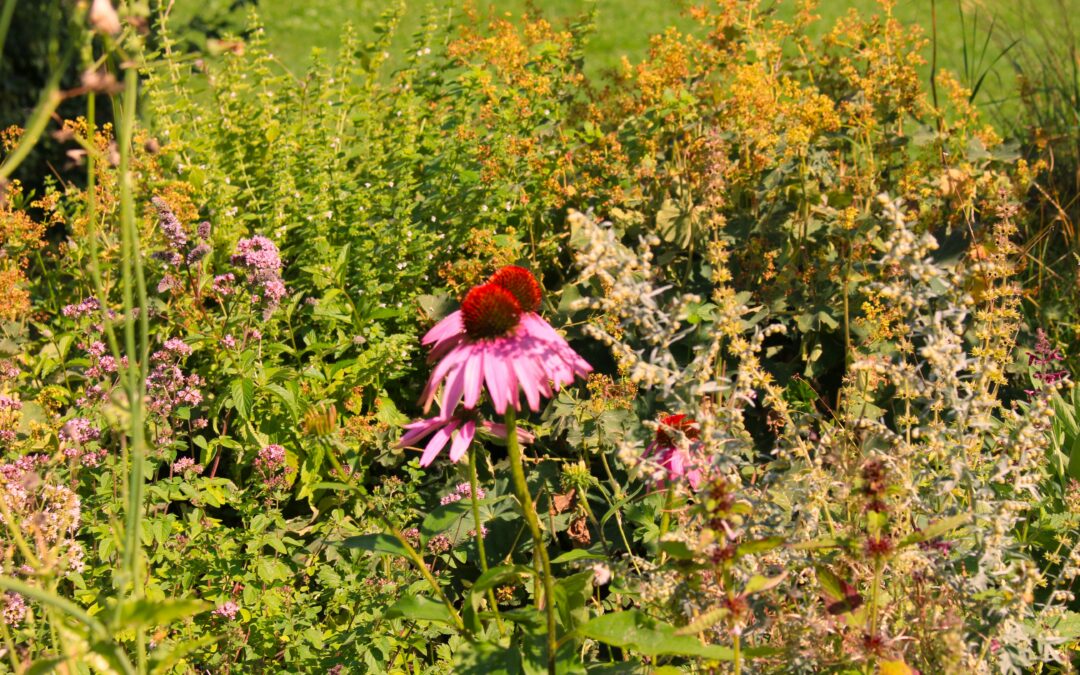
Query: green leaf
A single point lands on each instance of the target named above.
(679, 550)
(823, 542)
(496, 576)
(936, 529)
(759, 546)
(640, 633)
(419, 608)
(243, 396)
(759, 583)
(705, 621)
(443, 517)
(45, 665)
(144, 613)
(271, 570)
(572, 595)
(577, 554)
(167, 656)
(376, 543)
(830, 583)
(486, 658)
(1074, 459)
(673, 224)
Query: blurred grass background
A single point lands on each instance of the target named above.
(971, 34)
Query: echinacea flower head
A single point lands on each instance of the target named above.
(671, 426)
(458, 429)
(497, 341)
(672, 458)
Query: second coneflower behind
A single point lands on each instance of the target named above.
(671, 454)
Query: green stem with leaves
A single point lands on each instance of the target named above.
(418, 562)
(528, 509)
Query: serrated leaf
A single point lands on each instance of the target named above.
(243, 396)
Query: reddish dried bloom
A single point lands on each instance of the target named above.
(878, 547)
(874, 485)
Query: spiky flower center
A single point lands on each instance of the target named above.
(671, 426)
(489, 310)
(522, 284)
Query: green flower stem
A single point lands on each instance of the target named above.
(665, 517)
(735, 647)
(517, 473)
(476, 509)
(136, 345)
(418, 562)
(479, 527)
(618, 492)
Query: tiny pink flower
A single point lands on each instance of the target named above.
(227, 610)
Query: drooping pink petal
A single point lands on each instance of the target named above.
(454, 387)
(531, 357)
(498, 430)
(449, 363)
(450, 326)
(417, 430)
(529, 380)
(473, 376)
(461, 442)
(500, 383)
(438, 442)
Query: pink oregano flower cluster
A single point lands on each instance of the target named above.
(259, 258)
(272, 467)
(496, 343)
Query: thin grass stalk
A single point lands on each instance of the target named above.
(48, 102)
(136, 347)
(6, 13)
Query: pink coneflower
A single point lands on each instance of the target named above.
(458, 429)
(674, 460)
(498, 340)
